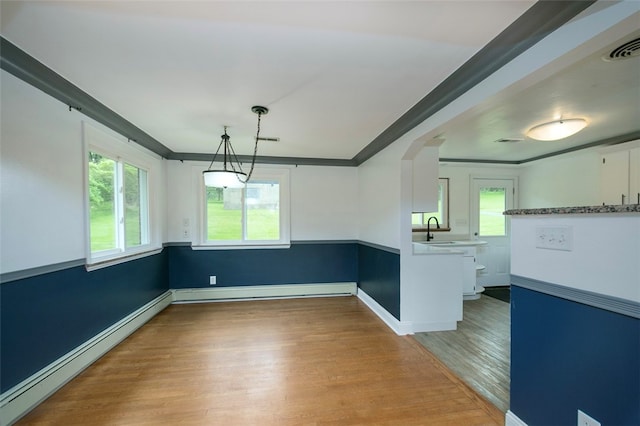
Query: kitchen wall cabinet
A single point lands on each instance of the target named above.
(620, 177)
(634, 176)
(425, 180)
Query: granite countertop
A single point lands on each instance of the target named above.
(624, 208)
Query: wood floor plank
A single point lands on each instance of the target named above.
(479, 350)
(270, 362)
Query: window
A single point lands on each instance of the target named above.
(254, 215)
(419, 220)
(492, 203)
(117, 187)
(118, 205)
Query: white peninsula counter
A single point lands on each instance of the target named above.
(575, 314)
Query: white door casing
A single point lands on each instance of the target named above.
(493, 227)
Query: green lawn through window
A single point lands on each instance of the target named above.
(492, 221)
(226, 224)
(103, 227)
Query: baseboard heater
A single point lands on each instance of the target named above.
(192, 295)
(19, 400)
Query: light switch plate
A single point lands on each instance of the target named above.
(554, 238)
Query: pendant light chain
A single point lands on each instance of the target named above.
(225, 178)
(219, 146)
(255, 151)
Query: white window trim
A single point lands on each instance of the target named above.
(283, 176)
(116, 147)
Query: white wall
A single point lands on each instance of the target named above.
(567, 180)
(42, 220)
(323, 201)
(379, 199)
(605, 257)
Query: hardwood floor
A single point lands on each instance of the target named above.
(270, 362)
(479, 350)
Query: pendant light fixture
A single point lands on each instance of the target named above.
(231, 175)
(558, 129)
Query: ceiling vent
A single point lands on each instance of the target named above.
(509, 140)
(627, 50)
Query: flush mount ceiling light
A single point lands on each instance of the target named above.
(558, 129)
(232, 175)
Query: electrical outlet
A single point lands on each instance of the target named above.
(185, 233)
(585, 420)
(212, 280)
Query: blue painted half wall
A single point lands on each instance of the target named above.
(567, 356)
(302, 263)
(44, 317)
(379, 273)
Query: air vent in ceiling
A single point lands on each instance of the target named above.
(624, 51)
(509, 140)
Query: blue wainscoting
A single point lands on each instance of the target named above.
(45, 316)
(379, 276)
(567, 356)
(302, 263)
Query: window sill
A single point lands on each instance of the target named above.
(441, 229)
(240, 246)
(122, 258)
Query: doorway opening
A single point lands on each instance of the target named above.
(478, 352)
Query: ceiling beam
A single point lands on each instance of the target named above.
(262, 159)
(540, 20)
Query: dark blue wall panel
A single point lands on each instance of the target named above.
(379, 277)
(301, 263)
(567, 356)
(44, 317)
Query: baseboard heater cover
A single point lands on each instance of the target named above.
(190, 295)
(22, 398)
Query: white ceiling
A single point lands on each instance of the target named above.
(334, 74)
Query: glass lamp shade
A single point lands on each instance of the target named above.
(224, 178)
(555, 130)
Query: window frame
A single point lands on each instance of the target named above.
(444, 224)
(121, 152)
(282, 176)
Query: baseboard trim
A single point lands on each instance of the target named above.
(190, 295)
(402, 328)
(511, 419)
(425, 327)
(22, 398)
(392, 322)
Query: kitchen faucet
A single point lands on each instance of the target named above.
(429, 236)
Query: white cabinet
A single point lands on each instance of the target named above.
(425, 180)
(634, 176)
(468, 270)
(469, 274)
(620, 177)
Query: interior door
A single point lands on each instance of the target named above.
(489, 199)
